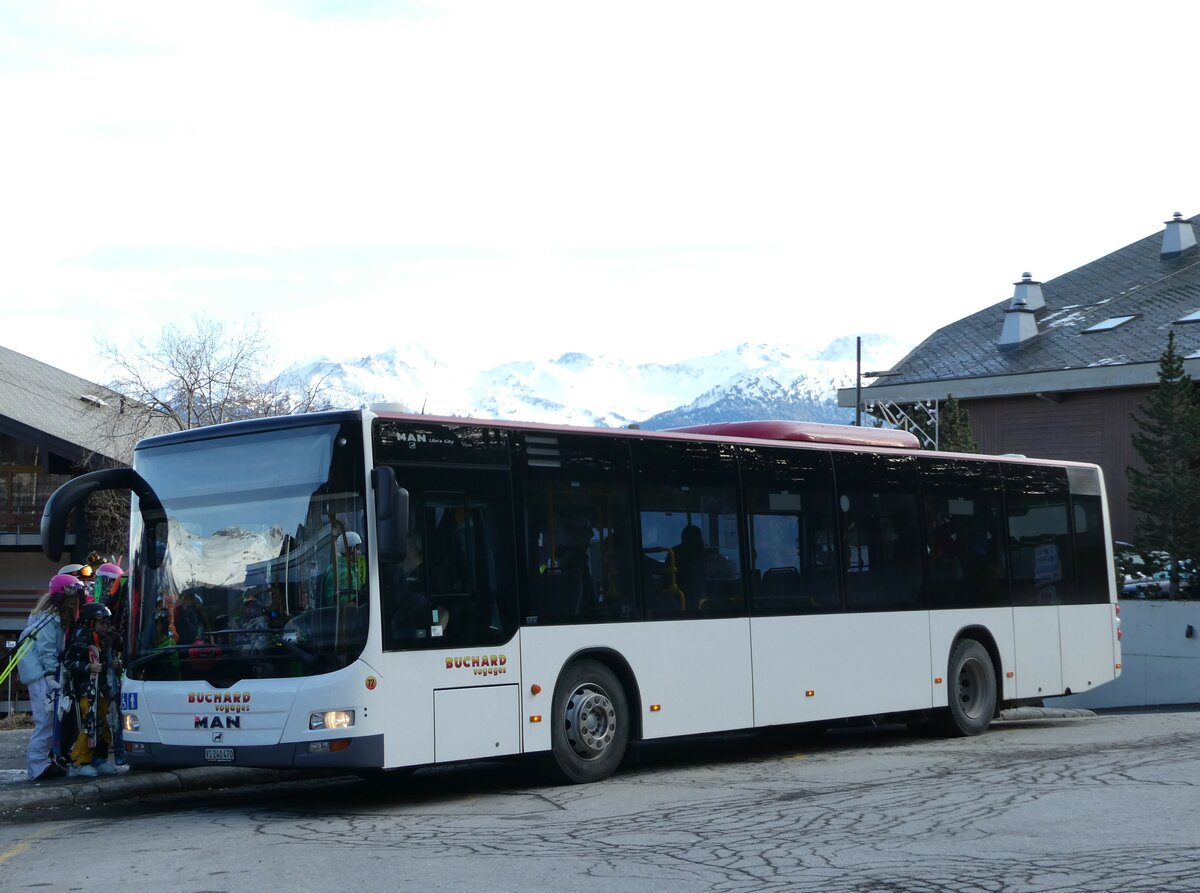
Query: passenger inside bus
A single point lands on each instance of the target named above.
(944, 560)
(253, 620)
(689, 564)
(571, 574)
(348, 574)
(404, 593)
(189, 619)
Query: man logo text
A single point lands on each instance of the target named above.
(218, 722)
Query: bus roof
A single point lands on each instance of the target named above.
(779, 430)
(809, 432)
(765, 429)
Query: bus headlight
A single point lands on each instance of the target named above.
(129, 722)
(331, 719)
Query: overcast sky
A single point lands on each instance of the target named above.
(517, 179)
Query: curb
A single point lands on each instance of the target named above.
(57, 794)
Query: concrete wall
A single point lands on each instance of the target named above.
(1160, 664)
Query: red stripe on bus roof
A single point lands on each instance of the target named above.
(811, 432)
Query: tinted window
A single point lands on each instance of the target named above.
(456, 586)
(687, 512)
(578, 529)
(964, 534)
(793, 530)
(1039, 535)
(880, 529)
(1091, 556)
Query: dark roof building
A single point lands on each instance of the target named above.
(53, 426)
(1058, 370)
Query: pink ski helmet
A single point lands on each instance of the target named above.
(108, 581)
(64, 586)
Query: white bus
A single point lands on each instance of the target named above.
(376, 590)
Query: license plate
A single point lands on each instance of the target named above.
(218, 754)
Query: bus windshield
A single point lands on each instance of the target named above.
(260, 566)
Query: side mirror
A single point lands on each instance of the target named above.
(76, 491)
(391, 514)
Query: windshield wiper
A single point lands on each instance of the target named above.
(153, 656)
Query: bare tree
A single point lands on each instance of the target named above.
(108, 523)
(185, 378)
(204, 375)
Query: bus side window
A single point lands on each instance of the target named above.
(690, 535)
(460, 589)
(882, 557)
(1091, 559)
(964, 541)
(793, 531)
(1036, 502)
(578, 509)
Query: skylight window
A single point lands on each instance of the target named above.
(1194, 316)
(1109, 324)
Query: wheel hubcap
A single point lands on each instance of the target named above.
(971, 680)
(591, 721)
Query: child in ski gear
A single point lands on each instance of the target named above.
(109, 590)
(87, 664)
(41, 670)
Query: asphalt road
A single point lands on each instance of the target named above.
(1080, 803)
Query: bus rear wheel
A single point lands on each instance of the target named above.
(972, 679)
(591, 724)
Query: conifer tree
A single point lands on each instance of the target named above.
(954, 428)
(1165, 492)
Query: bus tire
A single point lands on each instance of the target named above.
(972, 680)
(591, 724)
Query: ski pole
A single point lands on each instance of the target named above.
(23, 646)
(16, 658)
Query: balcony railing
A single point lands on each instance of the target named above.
(21, 506)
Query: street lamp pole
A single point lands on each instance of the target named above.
(858, 381)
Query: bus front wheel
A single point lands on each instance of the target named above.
(591, 724)
(972, 680)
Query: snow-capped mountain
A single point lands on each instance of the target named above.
(750, 381)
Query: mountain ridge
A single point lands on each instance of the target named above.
(744, 382)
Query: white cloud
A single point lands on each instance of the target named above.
(649, 179)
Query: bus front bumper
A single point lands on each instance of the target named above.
(339, 753)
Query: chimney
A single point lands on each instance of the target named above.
(1020, 319)
(1178, 237)
(1030, 292)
